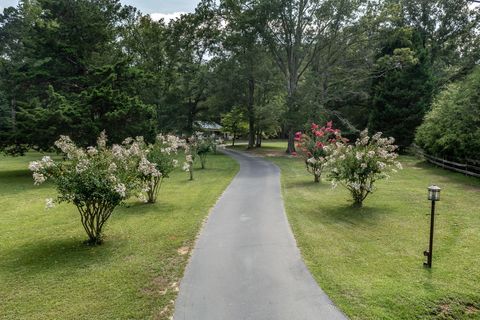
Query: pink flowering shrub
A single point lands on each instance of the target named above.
(95, 179)
(312, 146)
(357, 167)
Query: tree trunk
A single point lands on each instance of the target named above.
(251, 113)
(190, 171)
(192, 111)
(152, 192)
(292, 87)
(258, 144)
(14, 114)
(93, 216)
(291, 141)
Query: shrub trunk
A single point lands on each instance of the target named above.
(152, 192)
(203, 160)
(93, 215)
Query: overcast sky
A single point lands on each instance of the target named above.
(157, 8)
(166, 9)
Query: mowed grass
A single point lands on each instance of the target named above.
(46, 272)
(370, 260)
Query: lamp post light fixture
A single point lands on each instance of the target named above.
(433, 196)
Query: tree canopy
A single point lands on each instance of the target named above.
(78, 67)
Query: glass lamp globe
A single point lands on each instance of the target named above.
(434, 193)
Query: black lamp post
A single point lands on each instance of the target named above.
(433, 195)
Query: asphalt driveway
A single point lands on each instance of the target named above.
(246, 264)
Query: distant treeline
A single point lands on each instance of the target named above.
(267, 67)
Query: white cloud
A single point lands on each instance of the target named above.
(167, 17)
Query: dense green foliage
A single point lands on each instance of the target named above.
(452, 127)
(234, 123)
(78, 67)
(401, 96)
(63, 73)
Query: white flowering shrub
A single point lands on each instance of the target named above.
(191, 152)
(156, 162)
(357, 167)
(205, 146)
(216, 143)
(95, 180)
(198, 146)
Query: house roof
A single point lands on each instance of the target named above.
(208, 125)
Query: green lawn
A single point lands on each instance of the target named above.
(369, 260)
(47, 273)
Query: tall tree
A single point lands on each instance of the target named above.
(296, 31)
(192, 41)
(241, 41)
(401, 95)
(67, 75)
(441, 37)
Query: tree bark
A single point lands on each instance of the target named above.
(292, 89)
(14, 114)
(251, 113)
(258, 144)
(291, 141)
(192, 110)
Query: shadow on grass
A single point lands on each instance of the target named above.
(139, 208)
(15, 174)
(46, 255)
(307, 184)
(348, 215)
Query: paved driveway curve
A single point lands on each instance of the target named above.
(246, 265)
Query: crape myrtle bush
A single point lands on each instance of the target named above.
(95, 179)
(311, 146)
(357, 167)
(199, 146)
(191, 151)
(98, 179)
(156, 162)
(206, 145)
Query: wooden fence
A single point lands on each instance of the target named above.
(471, 167)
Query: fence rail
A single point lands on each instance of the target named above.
(467, 168)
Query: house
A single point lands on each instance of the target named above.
(209, 127)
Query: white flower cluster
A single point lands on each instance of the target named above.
(147, 168)
(82, 165)
(49, 203)
(188, 162)
(37, 167)
(172, 143)
(66, 145)
(91, 159)
(358, 166)
(123, 168)
(121, 189)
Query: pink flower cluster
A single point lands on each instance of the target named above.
(313, 146)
